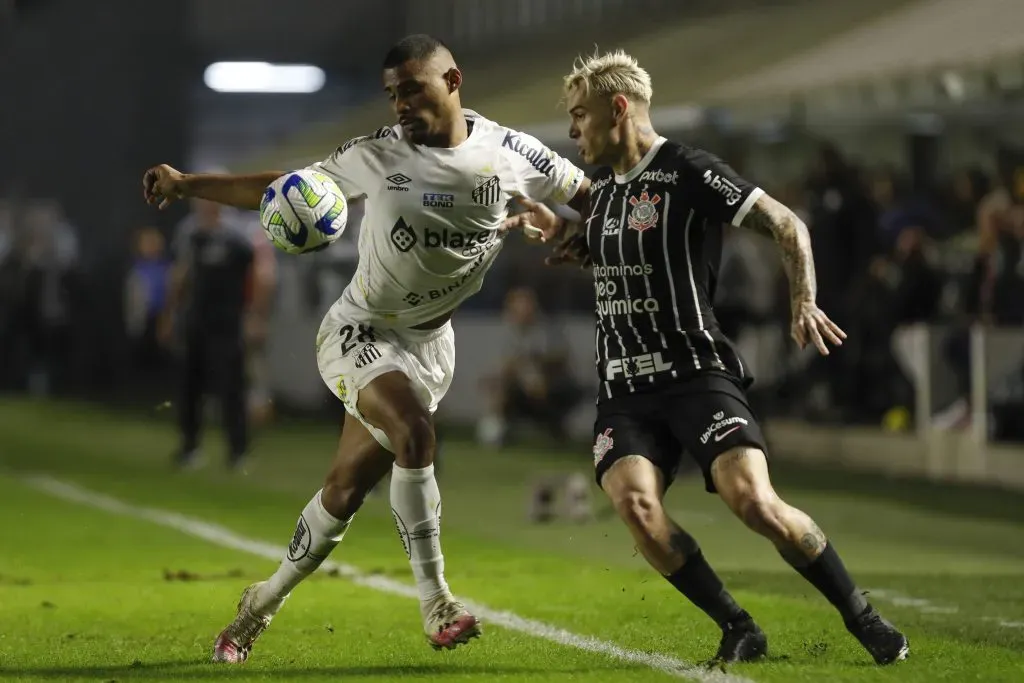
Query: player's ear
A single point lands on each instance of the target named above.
(454, 79)
(620, 107)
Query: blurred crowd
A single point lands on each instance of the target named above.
(40, 277)
(889, 252)
(191, 322)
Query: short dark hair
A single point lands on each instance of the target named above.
(417, 46)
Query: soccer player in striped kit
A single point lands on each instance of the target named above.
(670, 381)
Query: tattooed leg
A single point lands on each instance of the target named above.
(741, 477)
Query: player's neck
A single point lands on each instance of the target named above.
(453, 136)
(638, 140)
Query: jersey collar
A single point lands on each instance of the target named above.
(644, 163)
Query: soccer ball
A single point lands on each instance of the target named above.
(303, 211)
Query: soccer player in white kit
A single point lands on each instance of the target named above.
(437, 189)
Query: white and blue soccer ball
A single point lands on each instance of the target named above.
(303, 211)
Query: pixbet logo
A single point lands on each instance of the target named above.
(660, 177)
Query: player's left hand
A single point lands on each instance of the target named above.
(811, 325)
(572, 249)
(535, 220)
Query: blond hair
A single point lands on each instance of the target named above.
(610, 74)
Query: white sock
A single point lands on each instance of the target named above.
(316, 534)
(416, 505)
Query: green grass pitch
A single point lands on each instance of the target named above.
(89, 594)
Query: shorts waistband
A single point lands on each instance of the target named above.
(415, 335)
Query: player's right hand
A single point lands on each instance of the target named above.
(812, 326)
(535, 220)
(162, 185)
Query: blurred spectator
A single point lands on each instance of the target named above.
(745, 294)
(211, 294)
(42, 270)
(11, 282)
(900, 288)
(842, 224)
(261, 288)
(994, 291)
(145, 299)
(534, 384)
(966, 190)
(897, 209)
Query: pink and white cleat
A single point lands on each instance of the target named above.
(449, 624)
(234, 643)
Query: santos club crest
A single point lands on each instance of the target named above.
(487, 190)
(644, 215)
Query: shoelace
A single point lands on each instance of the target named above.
(247, 626)
(446, 612)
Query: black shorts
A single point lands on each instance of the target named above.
(704, 416)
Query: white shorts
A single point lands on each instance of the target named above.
(350, 355)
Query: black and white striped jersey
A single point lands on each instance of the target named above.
(655, 237)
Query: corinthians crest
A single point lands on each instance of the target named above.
(643, 215)
(602, 445)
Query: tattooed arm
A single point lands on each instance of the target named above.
(776, 221)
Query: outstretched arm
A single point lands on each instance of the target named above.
(537, 221)
(162, 185)
(778, 222)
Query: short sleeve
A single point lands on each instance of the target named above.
(350, 166)
(719, 192)
(542, 174)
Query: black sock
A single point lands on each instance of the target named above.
(701, 585)
(829, 576)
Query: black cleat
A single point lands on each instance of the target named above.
(880, 638)
(742, 641)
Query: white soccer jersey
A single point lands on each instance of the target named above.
(433, 216)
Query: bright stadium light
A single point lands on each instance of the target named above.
(263, 77)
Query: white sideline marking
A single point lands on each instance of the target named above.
(226, 538)
(928, 607)
(1004, 623)
(919, 604)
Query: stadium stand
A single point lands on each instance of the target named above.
(524, 90)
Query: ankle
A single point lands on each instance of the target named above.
(266, 601)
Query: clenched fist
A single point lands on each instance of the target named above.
(162, 185)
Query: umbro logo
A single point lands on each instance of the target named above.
(397, 182)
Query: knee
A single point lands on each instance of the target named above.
(638, 509)
(413, 441)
